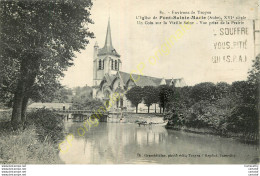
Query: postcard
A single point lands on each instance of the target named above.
(129, 82)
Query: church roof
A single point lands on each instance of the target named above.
(176, 82)
(168, 81)
(108, 47)
(140, 80)
(110, 78)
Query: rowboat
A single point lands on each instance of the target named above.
(144, 123)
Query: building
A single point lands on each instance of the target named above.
(108, 76)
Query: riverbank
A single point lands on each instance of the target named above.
(28, 146)
(237, 136)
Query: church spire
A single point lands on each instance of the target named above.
(108, 43)
(108, 47)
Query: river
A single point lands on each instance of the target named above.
(127, 143)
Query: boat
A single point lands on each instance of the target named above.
(144, 123)
(158, 124)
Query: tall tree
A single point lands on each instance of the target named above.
(166, 95)
(135, 96)
(150, 96)
(38, 41)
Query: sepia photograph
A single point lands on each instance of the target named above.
(129, 82)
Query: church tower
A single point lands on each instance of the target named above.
(106, 61)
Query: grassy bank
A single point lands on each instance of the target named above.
(36, 144)
(238, 136)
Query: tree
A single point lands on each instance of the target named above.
(203, 91)
(244, 92)
(63, 95)
(135, 96)
(254, 81)
(222, 90)
(150, 96)
(166, 94)
(254, 73)
(244, 119)
(38, 41)
(87, 103)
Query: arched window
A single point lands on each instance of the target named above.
(112, 64)
(99, 64)
(115, 64)
(103, 64)
(121, 102)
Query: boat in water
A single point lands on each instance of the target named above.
(144, 123)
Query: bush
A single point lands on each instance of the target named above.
(23, 147)
(244, 119)
(48, 124)
(5, 116)
(36, 144)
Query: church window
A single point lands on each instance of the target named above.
(103, 64)
(115, 64)
(112, 64)
(99, 64)
(121, 102)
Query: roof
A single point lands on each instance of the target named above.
(176, 82)
(108, 47)
(140, 80)
(168, 81)
(109, 78)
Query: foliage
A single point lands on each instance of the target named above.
(203, 91)
(150, 95)
(63, 95)
(38, 41)
(222, 89)
(82, 93)
(36, 144)
(23, 147)
(166, 95)
(87, 103)
(135, 96)
(254, 73)
(221, 107)
(48, 124)
(5, 116)
(244, 92)
(243, 119)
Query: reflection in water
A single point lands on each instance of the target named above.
(120, 143)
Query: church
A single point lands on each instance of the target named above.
(109, 78)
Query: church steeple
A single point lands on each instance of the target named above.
(108, 42)
(108, 47)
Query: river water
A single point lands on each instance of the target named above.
(127, 143)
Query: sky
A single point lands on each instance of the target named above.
(190, 57)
